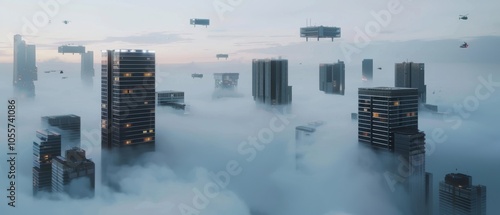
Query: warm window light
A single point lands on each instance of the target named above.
(144, 132)
(148, 74)
(117, 78)
(146, 103)
(127, 74)
(376, 115)
(128, 142)
(147, 139)
(127, 91)
(151, 131)
(411, 114)
(396, 103)
(128, 125)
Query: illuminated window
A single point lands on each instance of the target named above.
(376, 115)
(117, 78)
(365, 134)
(103, 105)
(366, 109)
(127, 74)
(128, 125)
(146, 103)
(151, 131)
(411, 114)
(127, 91)
(128, 142)
(144, 132)
(148, 74)
(147, 139)
(396, 103)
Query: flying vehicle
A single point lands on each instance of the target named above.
(61, 72)
(380, 68)
(464, 46)
(66, 22)
(463, 17)
(64, 77)
(197, 75)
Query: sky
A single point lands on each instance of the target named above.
(343, 179)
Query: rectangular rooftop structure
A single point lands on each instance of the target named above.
(222, 56)
(320, 32)
(71, 49)
(196, 21)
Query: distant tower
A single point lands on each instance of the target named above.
(25, 70)
(270, 82)
(332, 78)
(457, 195)
(87, 68)
(74, 165)
(68, 126)
(367, 70)
(411, 75)
(127, 108)
(47, 148)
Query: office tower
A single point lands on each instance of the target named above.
(332, 78)
(87, 68)
(25, 70)
(68, 126)
(171, 98)
(411, 75)
(457, 196)
(47, 148)
(367, 70)
(67, 170)
(270, 82)
(304, 139)
(128, 100)
(382, 110)
(429, 200)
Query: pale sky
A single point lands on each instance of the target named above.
(242, 25)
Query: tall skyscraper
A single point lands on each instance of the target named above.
(25, 70)
(411, 75)
(332, 78)
(128, 100)
(87, 68)
(457, 196)
(382, 110)
(68, 126)
(47, 148)
(367, 70)
(68, 169)
(270, 82)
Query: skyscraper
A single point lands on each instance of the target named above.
(128, 100)
(270, 82)
(68, 169)
(332, 78)
(411, 75)
(25, 70)
(457, 196)
(367, 70)
(382, 110)
(68, 126)
(87, 68)
(47, 148)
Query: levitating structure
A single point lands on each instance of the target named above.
(70, 168)
(196, 21)
(367, 70)
(320, 32)
(25, 70)
(87, 61)
(68, 126)
(332, 78)
(270, 82)
(226, 80)
(222, 56)
(171, 98)
(457, 195)
(411, 75)
(45, 149)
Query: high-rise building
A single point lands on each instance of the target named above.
(87, 68)
(171, 98)
(429, 199)
(457, 196)
(226, 80)
(332, 78)
(45, 150)
(25, 70)
(128, 100)
(68, 169)
(411, 75)
(68, 126)
(367, 70)
(382, 110)
(270, 82)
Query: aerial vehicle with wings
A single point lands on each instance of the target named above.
(463, 17)
(464, 46)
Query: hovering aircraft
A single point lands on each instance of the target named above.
(61, 72)
(197, 75)
(464, 46)
(380, 68)
(463, 17)
(66, 22)
(64, 77)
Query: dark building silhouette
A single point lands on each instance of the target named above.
(457, 196)
(25, 70)
(68, 126)
(45, 150)
(87, 68)
(68, 169)
(332, 78)
(411, 75)
(270, 82)
(367, 70)
(171, 98)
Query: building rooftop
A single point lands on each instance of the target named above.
(170, 91)
(458, 180)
